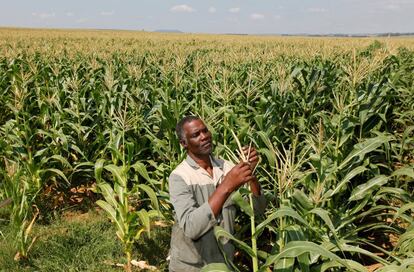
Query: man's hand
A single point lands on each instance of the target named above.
(237, 176)
(252, 156)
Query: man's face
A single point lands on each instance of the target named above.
(198, 138)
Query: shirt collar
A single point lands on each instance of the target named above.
(194, 165)
(217, 168)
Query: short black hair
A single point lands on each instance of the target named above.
(179, 127)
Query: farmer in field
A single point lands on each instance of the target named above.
(200, 189)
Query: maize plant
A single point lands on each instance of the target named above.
(129, 222)
(22, 218)
(121, 198)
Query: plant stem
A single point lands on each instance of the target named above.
(253, 231)
(128, 264)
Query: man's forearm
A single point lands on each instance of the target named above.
(217, 199)
(255, 187)
(223, 191)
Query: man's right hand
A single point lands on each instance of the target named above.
(237, 176)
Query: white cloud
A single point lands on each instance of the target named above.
(233, 20)
(317, 10)
(70, 14)
(277, 17)
(44, 15)
(392, 7)
(182, 8)
(212, 10)
(107, 13)
(234, 10)
(256, 16)
(81, 20)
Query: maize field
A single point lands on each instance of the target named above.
(332, 119)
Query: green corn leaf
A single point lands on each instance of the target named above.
(221, 233)
(405, 243)
(327, 266)
(77, 149)
(98, 169)
(285, 265)
(57, 172)
(60, 159)
(263, 255)
(395, 192)
(117, 172)
(280, 213)
(216, 267)
(154, 213)
(391, 268)
(145, 220)
(271, 158)
(108, 194)
(359, 206)
(112, 215)
(304, 262)
(363, 148)
(151, 194)
(363, 190)
(120, 193)
(324, 215)
(296, 248)
(350, 248)
(242, 203)
(405, 171)
(356, 171)
(40, 152)
(302, 199)
(87, 165)
(142, 170)
(403, 209)
(294, 233)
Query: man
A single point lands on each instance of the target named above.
(200, 189)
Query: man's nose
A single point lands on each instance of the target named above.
(204, 135)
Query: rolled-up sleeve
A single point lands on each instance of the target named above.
(194, 219)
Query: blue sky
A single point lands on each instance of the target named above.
(211, 16)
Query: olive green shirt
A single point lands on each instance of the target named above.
(193, 244)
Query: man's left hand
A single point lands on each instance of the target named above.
(252, 156)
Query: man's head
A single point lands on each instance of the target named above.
(194, 135)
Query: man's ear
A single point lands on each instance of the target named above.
(183, 143)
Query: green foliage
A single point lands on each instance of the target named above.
(333, 124)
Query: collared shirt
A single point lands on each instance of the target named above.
(193, 243)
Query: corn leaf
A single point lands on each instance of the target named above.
(282, 212)
(150, 192)
(296, 248)
(242, 203)
(363, 148)
(215, 267)
(221, 233)
(112, 215)
(363, 190)
(285, 265)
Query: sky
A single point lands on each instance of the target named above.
(214, 16)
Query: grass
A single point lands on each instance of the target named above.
(81, 242)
